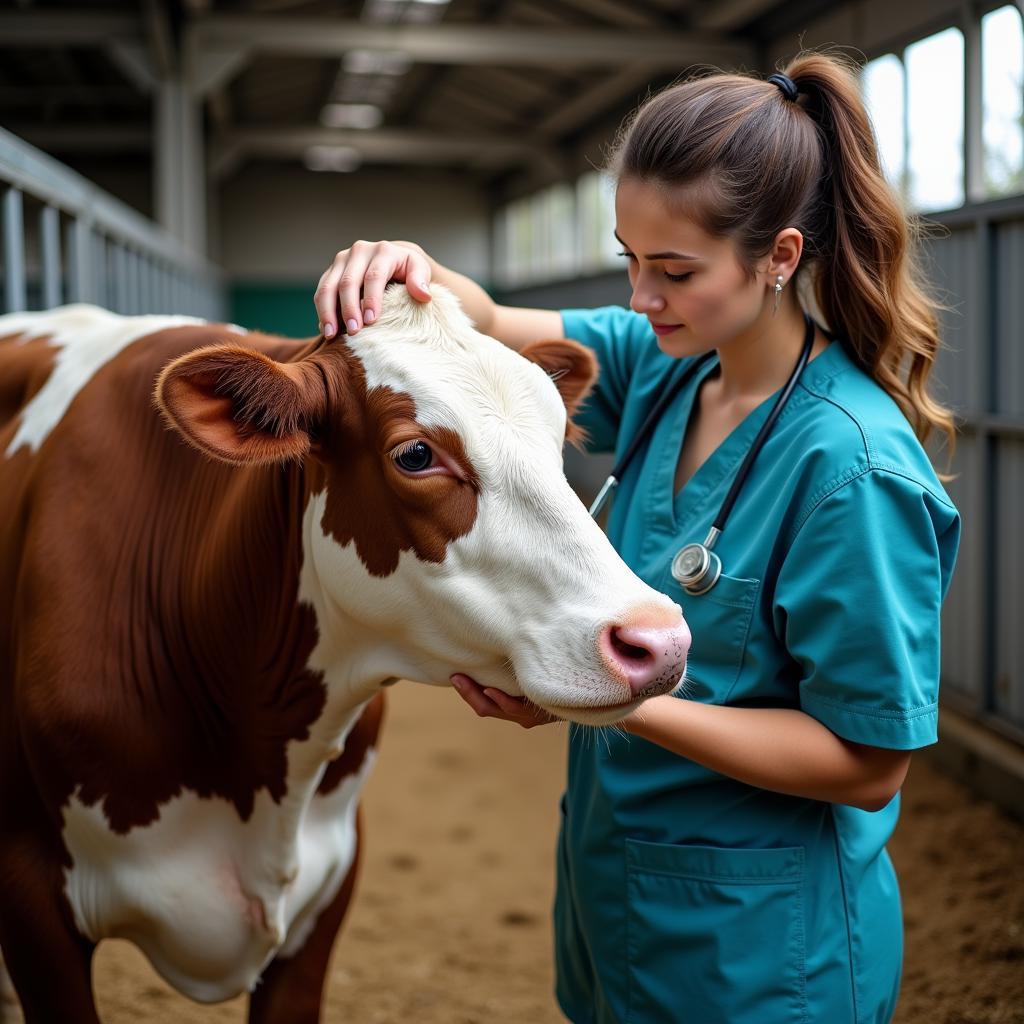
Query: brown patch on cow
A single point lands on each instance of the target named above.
(370, 503)
(243, 407)
(152, 638)
(159, 645)
(360, 739)
(574, 370)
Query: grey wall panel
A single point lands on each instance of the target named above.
(1009, 272)
(950, 265)
(962, 627)
(1008, 695)
(608, 289)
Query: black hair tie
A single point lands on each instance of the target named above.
(786, 85)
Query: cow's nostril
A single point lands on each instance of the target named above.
(648, 658)
(628, 650)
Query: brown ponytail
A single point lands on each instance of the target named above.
(751, 162)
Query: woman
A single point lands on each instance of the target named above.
(723, 858)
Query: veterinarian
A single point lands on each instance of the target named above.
(723, 858)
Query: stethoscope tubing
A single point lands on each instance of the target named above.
(645, 429)
(695, 566)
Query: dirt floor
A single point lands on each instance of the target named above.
(450, 921)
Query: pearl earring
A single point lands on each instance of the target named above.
(778, 294)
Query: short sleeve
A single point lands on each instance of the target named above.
(619, 339)
(857, 604)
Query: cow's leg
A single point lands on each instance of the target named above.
(291, 988)
(48, 960)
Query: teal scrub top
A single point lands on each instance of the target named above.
(683, 895)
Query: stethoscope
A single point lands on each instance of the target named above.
(696, 567)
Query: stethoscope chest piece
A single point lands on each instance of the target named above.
(696, 569)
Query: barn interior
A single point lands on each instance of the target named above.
(211, 157)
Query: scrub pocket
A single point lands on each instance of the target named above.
(719, 623)
(715, 936)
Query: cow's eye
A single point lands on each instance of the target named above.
(415, 457)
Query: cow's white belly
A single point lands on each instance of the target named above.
(208, 898)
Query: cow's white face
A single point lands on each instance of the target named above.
(440, 526)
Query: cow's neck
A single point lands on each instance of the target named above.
(262, 697)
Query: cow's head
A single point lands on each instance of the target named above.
(441, 534)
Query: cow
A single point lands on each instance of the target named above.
(216, 547)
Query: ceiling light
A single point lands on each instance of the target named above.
(376, 62)
(351, 115)
(332, 158)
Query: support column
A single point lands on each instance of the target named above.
(180, 163)
(974, 150)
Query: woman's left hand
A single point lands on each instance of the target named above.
(489, 702)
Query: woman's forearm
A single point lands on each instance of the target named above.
(479, 306)
(780, 749)
(514, 326)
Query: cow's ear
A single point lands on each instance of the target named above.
(573, 368)
(241, 406)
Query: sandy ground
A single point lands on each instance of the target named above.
(450, 920)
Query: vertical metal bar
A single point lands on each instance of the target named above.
(110, 269)
(121, 277)
(49, 234)
(974, 151)
(132, 283)
(14, 251)
(81, 268)
(156, 304)
(103, 286)
(146, 290)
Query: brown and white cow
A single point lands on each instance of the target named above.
(193, 636)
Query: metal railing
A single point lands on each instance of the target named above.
(65, 240)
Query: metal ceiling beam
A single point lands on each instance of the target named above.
(63, 93)
(385, 146)
(99, 138)
(133, 59)
(160, 38)
(465, 44)
(613, 90)
(66, 28)
(731, 14)
(615, 12)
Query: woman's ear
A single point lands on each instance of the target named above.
(785, 254)
(573, 368)
(240, 406)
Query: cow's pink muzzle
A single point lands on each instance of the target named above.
(649, 659)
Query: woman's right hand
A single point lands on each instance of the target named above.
(489, 702)
(353, 285)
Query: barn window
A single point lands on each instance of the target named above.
(884, 87)
(1002, 90)
(935, 121)
(595, 222)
